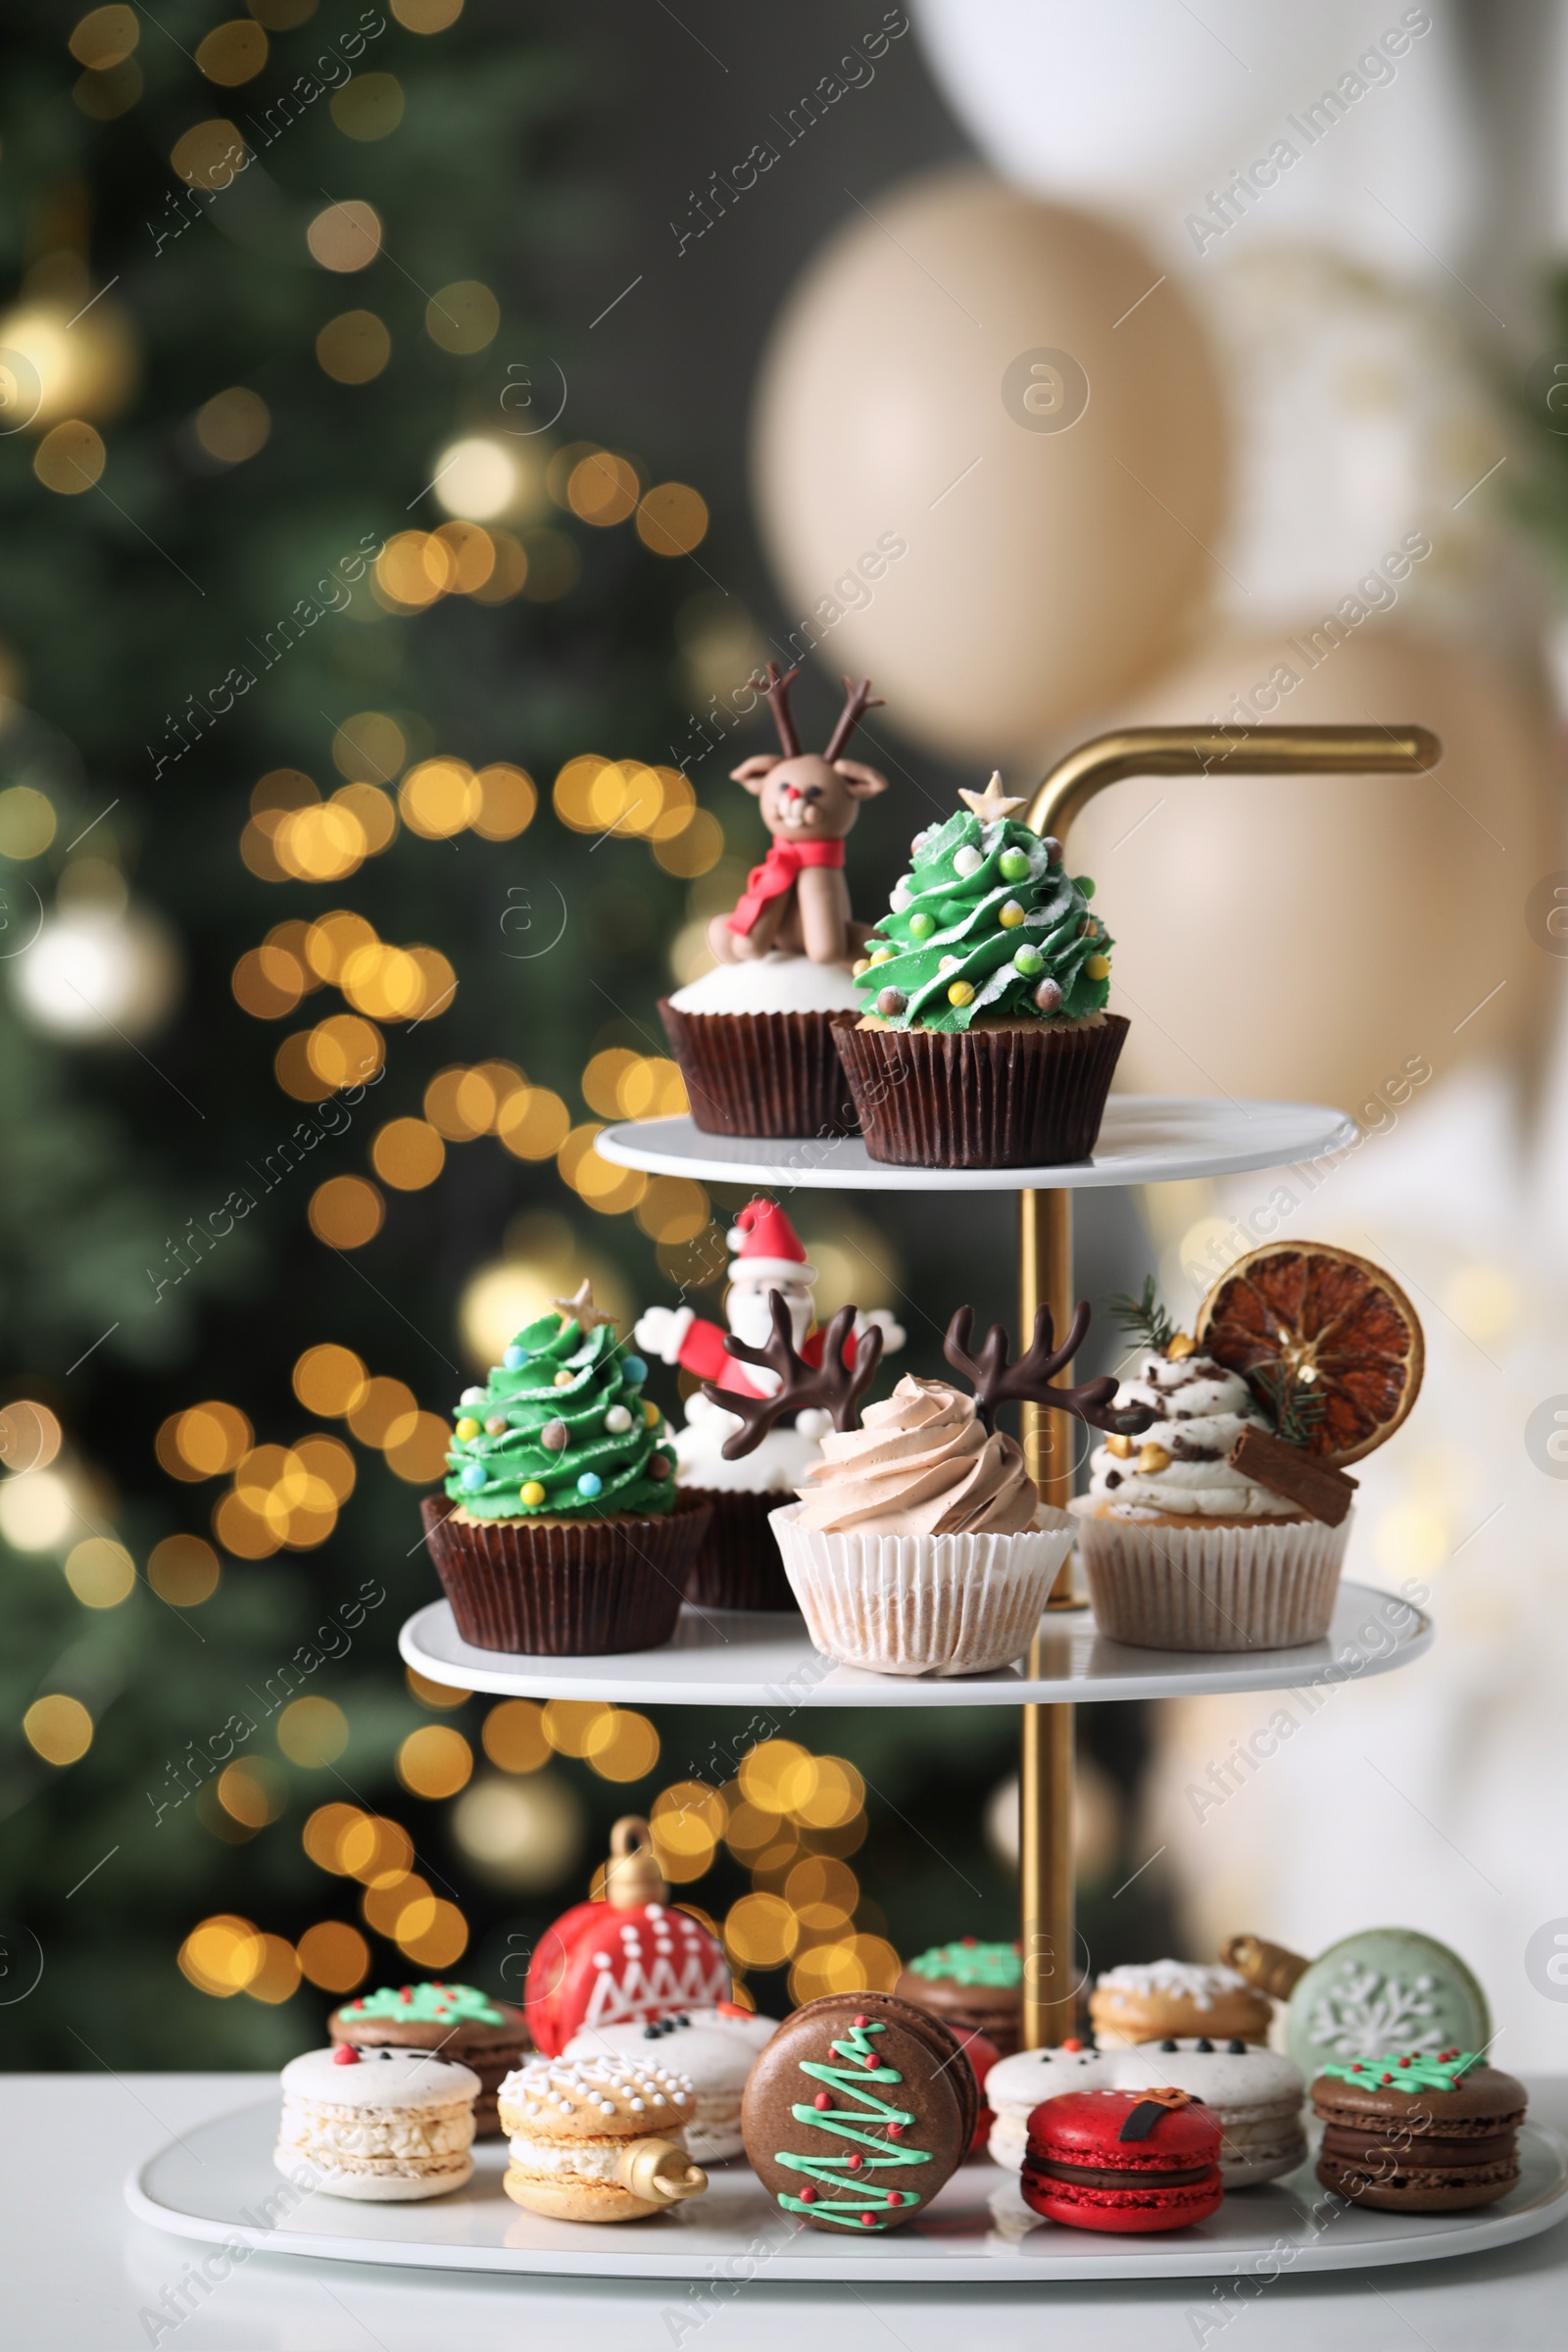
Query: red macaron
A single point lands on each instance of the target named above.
(1123, 2160)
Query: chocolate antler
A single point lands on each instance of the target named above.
(776, 686)
(858, 700)
(1028, 1381)
(835, 1382)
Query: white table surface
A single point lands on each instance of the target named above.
(76, 2272)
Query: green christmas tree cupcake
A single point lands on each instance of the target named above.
(985, 1042)
(563, 1532)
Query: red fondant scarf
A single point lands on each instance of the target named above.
(776, 874)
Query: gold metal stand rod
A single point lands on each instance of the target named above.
(1073, 782)
(1046, 1763)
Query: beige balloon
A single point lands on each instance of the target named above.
(998, 566)
(1312, 936)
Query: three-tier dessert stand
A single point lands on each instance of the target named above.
(214, 2183)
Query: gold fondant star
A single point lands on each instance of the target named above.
(993, 803)
(583, 1310)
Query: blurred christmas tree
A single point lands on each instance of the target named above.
(311, 1004)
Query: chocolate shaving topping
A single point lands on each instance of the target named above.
(1301, 1477)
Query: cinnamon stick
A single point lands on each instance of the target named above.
(1316, 1487)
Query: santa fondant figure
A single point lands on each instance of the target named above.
(767, 1256)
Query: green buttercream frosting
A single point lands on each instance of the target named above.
(428, 2004)
(967, 940)
(606, 1465)
(1406, 2069)
(971, 1963)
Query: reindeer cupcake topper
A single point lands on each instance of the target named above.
(841, 1379)
(796, 899)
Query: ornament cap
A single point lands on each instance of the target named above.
(1267, 1966)
(632, 1875)
(659, 2172)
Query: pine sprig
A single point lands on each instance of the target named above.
(1143, 1319)
(1296, 1412)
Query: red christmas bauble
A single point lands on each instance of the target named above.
(617, 1963)
(982, 2054)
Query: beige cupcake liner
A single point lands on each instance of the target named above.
(923, 1604)
(1270, 1586)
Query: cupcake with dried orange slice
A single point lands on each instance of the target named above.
(1223, 1524)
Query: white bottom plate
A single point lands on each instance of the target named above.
(220, 2185)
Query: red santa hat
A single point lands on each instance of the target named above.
(766, 1246)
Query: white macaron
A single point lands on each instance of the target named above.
(382, 2125)
(716, 2048)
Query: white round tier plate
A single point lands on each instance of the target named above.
(1144, 1139)
(215, 2184)
(750, 1658)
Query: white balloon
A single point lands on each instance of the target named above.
(1146, 108)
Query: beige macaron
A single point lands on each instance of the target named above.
(598, 2139)
(1181, 1998)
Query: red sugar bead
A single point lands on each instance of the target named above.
(345, 2054)
(808, 2196)
(856, 2160)
(895, 2131)
(1072, 2043)
(822, 2099)
(869, 2221)
(895, 2197)
(863, 2020)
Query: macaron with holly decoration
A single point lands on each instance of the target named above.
(857, 2113)
(970, 1985)
(1123, 2160)
(455, 2020)
(1419, 2132)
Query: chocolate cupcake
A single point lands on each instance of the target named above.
(455, 2021)
(561, 1533)
(983, 1040)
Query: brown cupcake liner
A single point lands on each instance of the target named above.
(987, 1099)
(761, 1073)
(1271, 1586)
(737, 1565)
(580, 1589)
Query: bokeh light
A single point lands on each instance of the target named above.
(183, 1570)
(513, 1736)
(346, 1213)
(69, 458)
(346, 236)
(334, 1956)
(462, 317)
(100, 1571)
(57, 1728)
(672, 519)
(369, 107)
(233, 425)
(435, 1761)
(478, 478)
(232, 53)
(329, 1380)
(313, 1733)
(354, 347)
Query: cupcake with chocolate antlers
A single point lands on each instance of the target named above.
(918, 1544)
(1222, 1524)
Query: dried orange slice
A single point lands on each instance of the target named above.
(1334, 1325)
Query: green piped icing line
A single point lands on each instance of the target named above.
(971, 1963)
(1406, 2069)
(528, 1400)
(428, 2005)
(855, 2193)
(965, 910)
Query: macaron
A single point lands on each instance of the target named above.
(1254, 2095)
(859, 2111)
(1160, 1998)
(385, 2127)
(455, 2018)
(715, 2049)
(1123, 2160)
(1417, 2133)
(1016, 2087)
(598, 2138)
(972, 1986)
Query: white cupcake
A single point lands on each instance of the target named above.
(1181, 1549)
(918, 1544)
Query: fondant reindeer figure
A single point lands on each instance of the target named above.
(797, 899)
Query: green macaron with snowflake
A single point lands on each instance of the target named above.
(987, 927)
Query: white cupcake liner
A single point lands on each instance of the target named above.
(923, 1604)
(1269, 1585)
